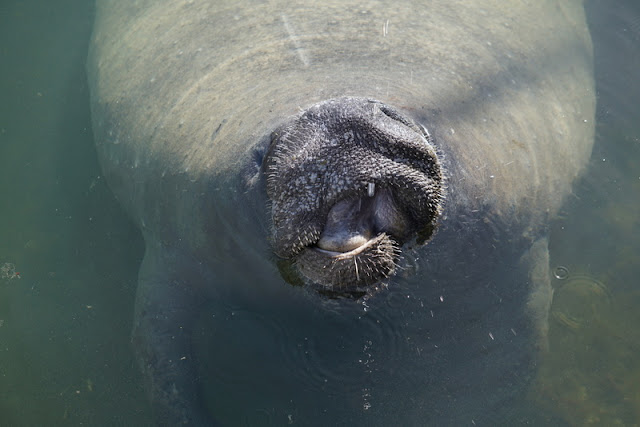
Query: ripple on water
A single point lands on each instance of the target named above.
(338, 351)
(576, 299)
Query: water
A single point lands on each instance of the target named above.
(65, 354)
(592, 373)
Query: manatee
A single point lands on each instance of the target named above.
(363, 188)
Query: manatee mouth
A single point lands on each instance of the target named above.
(350, 181)
(357, 246)
(352, 271)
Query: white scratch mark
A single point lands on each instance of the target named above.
(385, 28)
(302, 55)
(426, 132)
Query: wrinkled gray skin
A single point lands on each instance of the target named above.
(410, 155)
(350, 181)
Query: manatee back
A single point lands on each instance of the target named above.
(183, 91)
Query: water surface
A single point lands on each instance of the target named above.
(70, 255)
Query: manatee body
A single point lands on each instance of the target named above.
(367, 181)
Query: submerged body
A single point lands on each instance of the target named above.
(190, 102)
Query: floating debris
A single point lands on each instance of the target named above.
(8, 271)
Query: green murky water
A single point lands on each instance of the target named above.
(69, 256)
(65, 357)
(591, 374)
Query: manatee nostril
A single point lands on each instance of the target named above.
(395, 115)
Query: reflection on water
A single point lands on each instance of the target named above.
(69, 256)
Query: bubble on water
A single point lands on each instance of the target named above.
(561, 272)
(366, 395)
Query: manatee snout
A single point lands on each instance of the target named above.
(351, 180)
